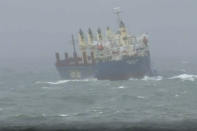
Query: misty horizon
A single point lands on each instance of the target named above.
(35, 30)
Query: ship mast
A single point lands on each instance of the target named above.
(74, 48)
(117, 12)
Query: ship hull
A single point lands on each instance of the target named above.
(76, 72)
(130, 67)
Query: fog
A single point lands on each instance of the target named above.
(34, 30)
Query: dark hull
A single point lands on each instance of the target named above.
(76, 72)
(131, 67)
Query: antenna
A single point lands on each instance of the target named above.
(74, 49)
(117, 12)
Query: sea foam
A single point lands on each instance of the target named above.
(52, 83)
(154, 78)
(63, 81)
(149, 78)
(63, 115)
(184, 77)
(121, 87)
(140, 97)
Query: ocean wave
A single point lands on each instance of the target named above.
(177, 95)
(185, 77)
(64, 81)
(140, 97)
(121, 87)
(149, 78)
(53, 83)
(30, 116)
(45, 87)
(63, 115)
(51, 87)
(154, 78)
(133, 79)
(58, 82)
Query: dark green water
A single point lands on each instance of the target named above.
(36, 95)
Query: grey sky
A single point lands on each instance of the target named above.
(36, 29)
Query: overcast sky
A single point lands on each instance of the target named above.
(36, 29)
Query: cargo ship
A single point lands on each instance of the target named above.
(113, 56)
(76, 67)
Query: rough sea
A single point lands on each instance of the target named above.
(35, 95)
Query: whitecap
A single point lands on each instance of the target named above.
(140, 97)
(100, 112)
(53, 83)
(154, 78)
(58, 82)
(51, 88)
(63, 115)
(133, 79)
(43, 114)
(121, 87)
(177, 95)
(64, 81)
(45, 87)
(184, 77)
